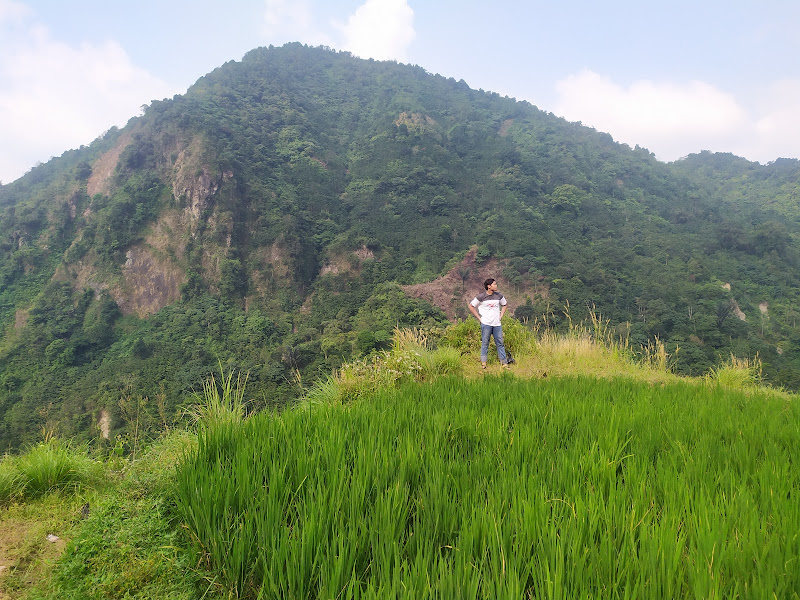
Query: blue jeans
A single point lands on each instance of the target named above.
(497, 332)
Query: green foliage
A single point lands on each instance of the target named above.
(737, 373)
(442, 361)
(503, 488)
(567, 197)
(50, 466)
(154, 472)
(127, 549)
(412, 358)
(121, 218)
(11, 481)
(517, 338)
(388, 307)
(122, 539)
(151, 366)
(462, 336)
(293, 193)
(221, 402)
(465, 337)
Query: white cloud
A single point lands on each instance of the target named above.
(292, 21)
(13, 11)
(380, 29)
(54, 96)
(293, 14)
(672, 120)
(777, 128)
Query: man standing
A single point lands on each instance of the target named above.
(489, 308)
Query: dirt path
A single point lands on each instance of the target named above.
(12, 536)
(26, 554)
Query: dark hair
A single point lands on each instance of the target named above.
(487, 283)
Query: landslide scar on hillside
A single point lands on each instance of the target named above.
(152, 272)
(102, 171)
(462, 283)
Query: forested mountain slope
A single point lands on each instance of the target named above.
(268, 219)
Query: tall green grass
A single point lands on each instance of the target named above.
(413, 357)
(588, 347)
(220, 401)
(502, 488)
(740, 373)
(51, 465)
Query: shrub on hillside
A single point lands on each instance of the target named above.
(51, 465)
(412, 358)
(465, 336)
(737, 373)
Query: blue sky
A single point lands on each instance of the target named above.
(674, 77)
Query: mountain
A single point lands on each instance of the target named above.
(291, 209)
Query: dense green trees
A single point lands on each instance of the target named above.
(309, 185)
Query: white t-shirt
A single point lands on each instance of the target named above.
(489, 307)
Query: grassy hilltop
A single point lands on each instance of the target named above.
(589, 471)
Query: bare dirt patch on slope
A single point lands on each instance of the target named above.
(456, 288)
(26, 553)
(103, 170)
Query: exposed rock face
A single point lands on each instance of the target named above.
(151, 283)
(152, 274)
(192, 183)
(738, 311)
(20, 319)
(196, 191)
(347, 262)
(102, 171)
(364, 253)
(417, 122)
(267, 265)
(104, 423)
(154, 271)
(82, 274)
